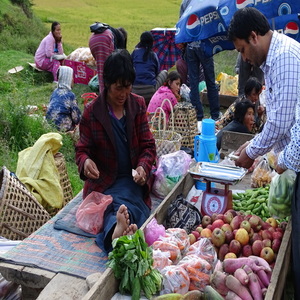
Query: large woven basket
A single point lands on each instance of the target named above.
(166, 141)
(20, 213)
(64, 178)
(185, 123)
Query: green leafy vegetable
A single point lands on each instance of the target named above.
(131, 260)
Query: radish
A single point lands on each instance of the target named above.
(262, 275)
(254, 287)
(241, 275)
(231, 264)
(217, 281)
(261, 262)
(232, 296)
(233, 284)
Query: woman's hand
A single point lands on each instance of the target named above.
(90, 169)
(139, 176)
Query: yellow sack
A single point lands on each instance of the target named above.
(228, 84)
(37, 170)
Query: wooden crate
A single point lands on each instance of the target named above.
(225, 100)
(107, 285)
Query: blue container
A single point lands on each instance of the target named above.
(205, 147)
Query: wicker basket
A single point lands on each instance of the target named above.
(185, 123)
(20, 213)
(166, 141)
(64, 178)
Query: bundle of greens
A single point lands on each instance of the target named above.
(131, 260)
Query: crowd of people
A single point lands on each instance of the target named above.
(116, 150)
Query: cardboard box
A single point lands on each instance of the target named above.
(82, 73)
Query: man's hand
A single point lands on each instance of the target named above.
(279, 170)
(244, 160)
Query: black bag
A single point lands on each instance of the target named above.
(99, 27)
(182, 214)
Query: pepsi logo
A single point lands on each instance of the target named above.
(243, 3)
(291, 29)
(193, 25)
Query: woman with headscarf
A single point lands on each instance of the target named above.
(63, 110)
(50, 53)
(146, 64)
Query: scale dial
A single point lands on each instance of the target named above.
(213, 204)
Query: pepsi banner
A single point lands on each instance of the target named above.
(208, 21)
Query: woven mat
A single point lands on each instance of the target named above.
(58, 250)
(67, 249)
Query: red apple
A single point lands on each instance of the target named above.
(217, 224)
(229, 236)
(271, 229)
(218, 237)
(255, 222)
(209, 226)
(267, 243)
(265, 225)
(192, 239)
(234, 213)
(213, 217)
(228, 216)
(279, 229)
(235, 247)
(272, 222)
(196, 234)
(277, 235)
(247, 250)
(256, 236)
(257, 246)
(226, 227)
(267, 254)
(266, 234)
(246, 225)
(276, 245)
(206, 220)
(230, 255)
(220, 217)
(224, 249)
(236, 222)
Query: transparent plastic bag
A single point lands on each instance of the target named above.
(185, 93)
(89, 215)
(262, 174)
(281, 194)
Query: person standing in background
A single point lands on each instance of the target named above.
(102, 44)
(50, 53)
(194, 57)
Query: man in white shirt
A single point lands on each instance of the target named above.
(279, 58)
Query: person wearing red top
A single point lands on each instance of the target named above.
(116, 150)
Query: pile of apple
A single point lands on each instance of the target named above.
(237, 235)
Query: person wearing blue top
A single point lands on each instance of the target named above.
(279, 57)
(147, 68)
(63, 110)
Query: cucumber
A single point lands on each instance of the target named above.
(211, 294)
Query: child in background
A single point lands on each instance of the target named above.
(170, 90)
(63, 110)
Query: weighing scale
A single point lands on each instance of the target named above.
(216, 200)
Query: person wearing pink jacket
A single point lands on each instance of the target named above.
(50, 53)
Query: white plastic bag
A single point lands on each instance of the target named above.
(195, 197)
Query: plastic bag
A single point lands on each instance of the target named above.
(228, 84)
(161, 259)
(94, 84)
(281, 194)
(171, 167)
(153, 232)
(170, 247)
(180, 237)
(194, 197)
(89, 215)
(262, 174)
(175, 280)
(185, 93)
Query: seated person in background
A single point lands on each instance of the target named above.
(243, 120)
(253, 89)
(50, 53)
(170, 90)
(146, 64)
(115, 139)
(63, 110)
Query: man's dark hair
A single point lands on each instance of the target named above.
(241, 110)
(118, 67)
(252, 83)
(246, 20)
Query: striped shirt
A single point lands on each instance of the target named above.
(282, 72)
